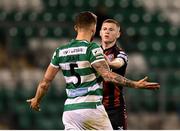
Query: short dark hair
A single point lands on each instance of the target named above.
(112, 21)
(85, 19)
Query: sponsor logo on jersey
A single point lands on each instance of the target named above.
(73, 51)
(97, 51)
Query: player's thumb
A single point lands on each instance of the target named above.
(28, 100)
(145, 78)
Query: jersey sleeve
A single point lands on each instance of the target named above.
(95, 53)
(123, 56)
(55, 59)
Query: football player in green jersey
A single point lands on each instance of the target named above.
(81, 62)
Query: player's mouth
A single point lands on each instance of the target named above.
(106, 36)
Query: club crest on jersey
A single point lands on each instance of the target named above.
(111, 57)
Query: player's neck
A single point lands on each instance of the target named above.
(107, 45)
(84, 36)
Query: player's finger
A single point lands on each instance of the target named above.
(153, 85)
(145, 78)
(34, 108)
(28, 100)
(37, 109)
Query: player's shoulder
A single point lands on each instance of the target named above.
(93, 45)
(121, 53)
(120, 50)
(62, 46)
(59, 49)
(95, 49)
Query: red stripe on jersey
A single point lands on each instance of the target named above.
(106, 91)
(112, 93)
(117, 94)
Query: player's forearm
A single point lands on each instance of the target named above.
(44, 84)
(103, 69)
(118, 79)
(42, 89)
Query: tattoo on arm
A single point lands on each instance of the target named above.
(103, 69)
(123, 81)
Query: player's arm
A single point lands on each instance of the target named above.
(43, 87)
(116, 63)
(102, 68)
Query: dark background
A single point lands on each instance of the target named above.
(30, 30)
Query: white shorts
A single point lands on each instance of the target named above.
(87, 119)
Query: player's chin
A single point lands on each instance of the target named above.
(107, 40)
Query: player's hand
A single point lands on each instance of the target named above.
(144, 84)
(34, 104)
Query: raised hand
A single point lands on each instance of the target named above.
(144, 84)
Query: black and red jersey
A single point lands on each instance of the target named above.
(113, 93)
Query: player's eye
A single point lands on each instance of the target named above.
(104, 29)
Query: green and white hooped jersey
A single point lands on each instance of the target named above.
(75, 60)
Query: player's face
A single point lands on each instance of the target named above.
(109, 32)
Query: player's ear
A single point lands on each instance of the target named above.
(75, 27)
(118, 34)
(93, 29)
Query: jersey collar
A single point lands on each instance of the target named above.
(109, 47)
(80, 40)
